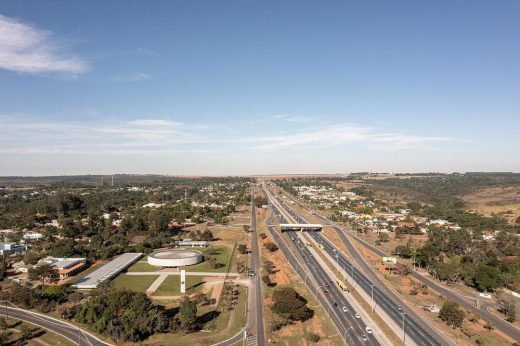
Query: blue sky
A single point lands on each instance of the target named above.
(256, 87)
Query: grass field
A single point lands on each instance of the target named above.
(172, 285)
(138, 283)
(222, 253)
(142, 267)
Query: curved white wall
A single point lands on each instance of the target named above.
(158, 261)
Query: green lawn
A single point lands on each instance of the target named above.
(138, 283)
(142, 267)
(172, 285)
(221, 253)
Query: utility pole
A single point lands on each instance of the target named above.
(112, 180)
(373, 303)
(404, 332)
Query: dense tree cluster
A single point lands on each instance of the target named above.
(123, 315)
(43, 298)
(454, 255)
(451, 314)
(102, 222)
(289, 305)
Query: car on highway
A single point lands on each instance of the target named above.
(334, 303)
(358, 316)
(344, 309)
(368, 330)
(365, 338)
(400, 308)
(326, 292)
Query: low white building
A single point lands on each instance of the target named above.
(33, 236)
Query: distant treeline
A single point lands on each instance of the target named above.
(106, 180)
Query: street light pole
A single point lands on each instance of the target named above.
(404, 332)
(373, 304)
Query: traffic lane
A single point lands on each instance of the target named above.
(380, 300)
(316, 266)
(72, 333)
(259, 321)
(350, 315)
(316, 273)
(413, 329)
(390, 295)
(501, 324)
(303, 274)
(417, 330)
(335, 294)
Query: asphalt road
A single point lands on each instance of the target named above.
(417, 329)
(500, 324)
(352, 329)
(255, 264)
(65, 329)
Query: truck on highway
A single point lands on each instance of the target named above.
(342, 286)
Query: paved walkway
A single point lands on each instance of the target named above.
(178, 273)
(155, 285)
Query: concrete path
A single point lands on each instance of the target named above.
(178, 273)
(155, 285)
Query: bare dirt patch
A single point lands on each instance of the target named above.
(502, 201)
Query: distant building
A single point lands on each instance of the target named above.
(439, 222)
(192, 243)
(11, 248)
(66, 267)
(153, 205)
(33, 236)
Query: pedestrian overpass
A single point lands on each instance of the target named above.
(301, 227)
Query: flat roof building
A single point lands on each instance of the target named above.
(192, 243)
(10, 248)
(108, 271)
(66, 267)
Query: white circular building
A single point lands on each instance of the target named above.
(175, 258)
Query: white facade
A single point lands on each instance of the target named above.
(175, 258)
(33, 236)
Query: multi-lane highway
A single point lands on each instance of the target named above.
(415, 327)
(505, 327)
(352, 328)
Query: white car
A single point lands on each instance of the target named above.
(358, 316)
(365, 338)
(368, 330)
(344, 309)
